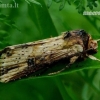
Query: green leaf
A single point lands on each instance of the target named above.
(79, 5)
(3, 38)
(49, 2)
(3, 16)
(11, 24)
(4, 19)
(80, 9)
(41, 18)
(0, 1)
(95, 4)
(69, 2)
(93, 74)
(62, 4)
(27, 1)
(33, 1)
(57, 1)
(91, 3)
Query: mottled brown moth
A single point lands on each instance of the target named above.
(21, 60)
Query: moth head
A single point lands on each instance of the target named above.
(92, 46)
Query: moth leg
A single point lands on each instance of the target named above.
(72, 60)
(93, 58)
(43, 70)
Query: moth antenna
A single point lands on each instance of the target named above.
(93, 58)
(98, 40)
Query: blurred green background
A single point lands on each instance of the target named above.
(30, 22)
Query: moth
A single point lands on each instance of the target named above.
(22, 60)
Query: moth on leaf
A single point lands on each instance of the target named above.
(22, 60)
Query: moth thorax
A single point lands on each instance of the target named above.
(92, 46)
